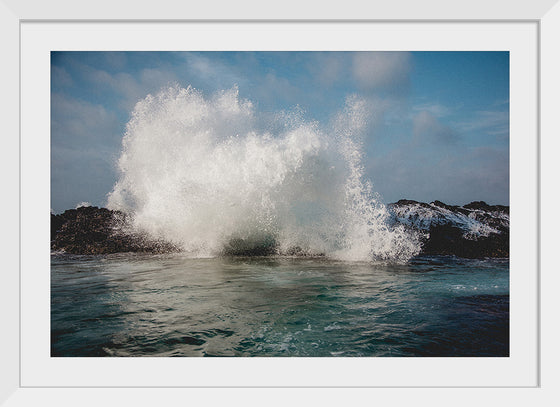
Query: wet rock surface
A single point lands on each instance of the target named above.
(93, 230)
(475, 230)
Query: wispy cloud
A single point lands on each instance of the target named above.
(210, 71)
(490, 122)
(501, 103)
(382, 70)
(60, 77)
(329, 68)
(435, 109)
(427, 128)
(415, 134)
(77, 123)
(128, 88)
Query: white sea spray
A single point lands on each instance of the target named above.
(473, 222)
(204, 172)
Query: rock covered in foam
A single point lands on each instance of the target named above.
(475, 230)
(93, 230)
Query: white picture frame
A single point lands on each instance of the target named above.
(546, 14)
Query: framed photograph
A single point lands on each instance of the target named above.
(350, 202)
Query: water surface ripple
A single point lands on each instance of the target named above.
(171, 305)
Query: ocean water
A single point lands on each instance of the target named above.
(176, 305)
(219, 179)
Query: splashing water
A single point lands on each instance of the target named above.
(215, 177)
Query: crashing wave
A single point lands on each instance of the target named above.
(213, 175)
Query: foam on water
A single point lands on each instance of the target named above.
(214, 176)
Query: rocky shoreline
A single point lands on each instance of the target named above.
(475, 230)
(93, 230)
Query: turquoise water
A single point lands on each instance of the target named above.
(171, 305)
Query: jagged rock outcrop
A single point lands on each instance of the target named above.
(475, 230)
(93, 230)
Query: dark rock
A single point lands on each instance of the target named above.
(475, 230)
(447, 230)
(477, 205)
(449, 240)
(442, 205)
(452, 208)
(405, 202)
(481, 205)
(93, 230)
(255, 246)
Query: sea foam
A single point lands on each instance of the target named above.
(215, 176)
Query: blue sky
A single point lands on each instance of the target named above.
(439, 125)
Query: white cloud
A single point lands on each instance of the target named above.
(435, 109)
(273, 86)
(131, 88)
(494, 123)
(60, 77)
(427, 128)
(77, 117)
(328, 68)
(115, 59)
(213, 73)
(381, 70)
(78, 123)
